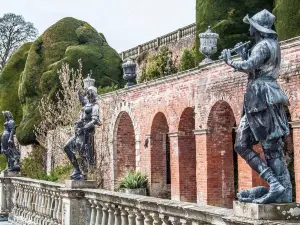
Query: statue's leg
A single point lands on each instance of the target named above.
(243, 146)
(274, 155)
(68, 150)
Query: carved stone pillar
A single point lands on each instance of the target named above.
(72, 203)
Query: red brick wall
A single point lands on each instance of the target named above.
(159, 130)
(125, 142)
(220, 156)
(187, 157)
(215, 92)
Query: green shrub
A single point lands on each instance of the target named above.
(9, 84)
(107, 89)
(60, 173)
(33, 166)
(158, 65)
(66, 41)
(133, 180)
(188, 59)
(2, 162)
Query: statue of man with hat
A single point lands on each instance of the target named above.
(264, 118)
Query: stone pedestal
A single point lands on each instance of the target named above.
(74, 205)
(6, 174)
(287, 211)
(80, 184)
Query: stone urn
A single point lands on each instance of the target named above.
(129, 69)
(136, 191)
(208, 45)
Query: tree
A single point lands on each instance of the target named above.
(14, 31)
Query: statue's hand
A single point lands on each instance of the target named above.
(241, 51)
(226, 55)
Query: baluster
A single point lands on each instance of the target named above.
(54, 213)
(148, 218)
(174, 220)
(59, 210)
(124, 216)
(131, 216)
(157, 220)
(52, 207)
(93, 212)
(139, 217)
(117, 213)
(185, 222)
(99, 213)
(164, 219)
(111, 214)
(104, 215)
(48, 206)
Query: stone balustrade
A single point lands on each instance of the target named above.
(160, 41)
(35, 202)
(115, 208)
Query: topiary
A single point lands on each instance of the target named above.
(287, 14)
(67, 41)
(9, 84)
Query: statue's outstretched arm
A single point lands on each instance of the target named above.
(258, 57)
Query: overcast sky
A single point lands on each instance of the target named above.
(125, 23)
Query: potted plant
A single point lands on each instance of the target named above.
(134, 183)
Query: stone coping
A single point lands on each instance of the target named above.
(168, 207)
(283, 44)
(35, 183)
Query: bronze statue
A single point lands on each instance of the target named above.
(82, 141)
(264, 118)
(8, 146)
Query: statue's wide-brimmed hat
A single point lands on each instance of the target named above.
(262, 21)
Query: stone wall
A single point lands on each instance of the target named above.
(183, 130)
(176, 41)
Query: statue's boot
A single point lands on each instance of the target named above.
(265, 172)
(280, 170)
(76, 175)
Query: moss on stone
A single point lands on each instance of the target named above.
(67, 41)
(287, 14)
(225, 17)
(9, 84)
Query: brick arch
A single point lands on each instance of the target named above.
(158, 156)
(187, 156)
(220, 155)
(122, 107)
(125, 152)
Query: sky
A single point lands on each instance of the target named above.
(125, 23)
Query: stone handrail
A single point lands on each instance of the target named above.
(160, 41)
(36, 202)
(115, 208)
